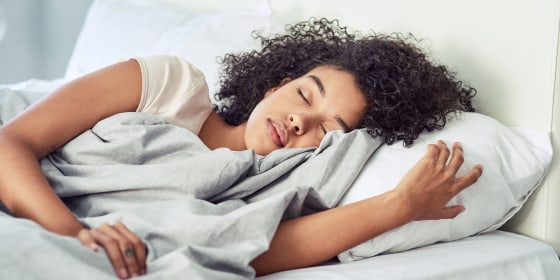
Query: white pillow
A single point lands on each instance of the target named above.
(119, 29)
(514, 160)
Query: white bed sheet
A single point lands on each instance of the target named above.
(492, 256)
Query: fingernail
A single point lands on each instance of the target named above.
(122, 273)
(134, 274)
(93, 247)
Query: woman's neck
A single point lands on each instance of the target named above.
(216, 133)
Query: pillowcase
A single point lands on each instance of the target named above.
(118, 29)
(514, 160)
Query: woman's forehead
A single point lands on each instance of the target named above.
(328, 67)
(333, 77)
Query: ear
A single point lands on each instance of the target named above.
(281, 84)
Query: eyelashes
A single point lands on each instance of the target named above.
(323, 129)
(303, 96)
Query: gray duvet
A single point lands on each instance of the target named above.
(203, 214)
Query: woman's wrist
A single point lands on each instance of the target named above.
(398, 207)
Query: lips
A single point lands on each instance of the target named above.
(277, 132)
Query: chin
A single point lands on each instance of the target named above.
(263, 151)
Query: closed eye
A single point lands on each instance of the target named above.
(303, 96)
(324, 129)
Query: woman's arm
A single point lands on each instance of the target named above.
(49, 124)
(422, 194)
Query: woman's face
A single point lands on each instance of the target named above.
(300, 112)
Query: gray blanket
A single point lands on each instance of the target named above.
(203, 214)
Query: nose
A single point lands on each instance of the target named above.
(298, 123)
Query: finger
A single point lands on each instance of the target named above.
(113, 251)
(443, 155)
(138, 246)
(126, 249)
(87, 240)
(432, 152)
(452, 211)
(468, 179)
(457, 158)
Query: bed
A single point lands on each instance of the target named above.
(507, 50)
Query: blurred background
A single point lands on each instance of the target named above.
(37, 36)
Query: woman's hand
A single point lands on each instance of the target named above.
(125, 250)
(432, 183)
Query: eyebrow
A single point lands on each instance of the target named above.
(341, 122)
(319, 84)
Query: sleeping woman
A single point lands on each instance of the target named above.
(299, 86)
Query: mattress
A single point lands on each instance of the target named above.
(492, 256)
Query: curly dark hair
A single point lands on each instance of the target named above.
(406, 92)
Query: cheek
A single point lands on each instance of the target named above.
(253, 115)
(255, 137)
(261, 110)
